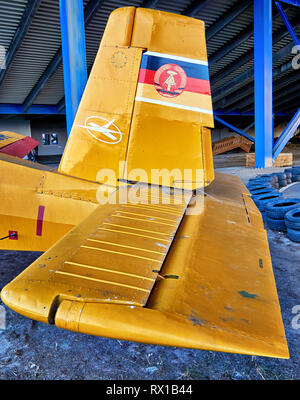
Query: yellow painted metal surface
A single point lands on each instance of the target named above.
(108, 97)
(142, 267)
(7, 138)
(216, 290)
(27, 186)
(168, 33)
(113, 256)
(115, 122)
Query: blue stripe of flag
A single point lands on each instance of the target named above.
(192, 70)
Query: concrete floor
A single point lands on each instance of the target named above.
(35, 351)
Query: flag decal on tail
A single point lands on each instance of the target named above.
(174, 82)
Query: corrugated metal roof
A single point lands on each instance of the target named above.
(42, 42)
(10, 16)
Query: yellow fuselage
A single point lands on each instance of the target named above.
(40, 204)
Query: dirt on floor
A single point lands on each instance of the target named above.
(35, 351)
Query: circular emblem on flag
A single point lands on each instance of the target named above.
(170, 80)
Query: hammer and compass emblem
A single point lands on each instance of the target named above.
(170, 80)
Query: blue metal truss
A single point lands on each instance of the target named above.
(292, 2)
(286, 134)
(287, 23)
(18, 109)
(74, 55)
(233, 128)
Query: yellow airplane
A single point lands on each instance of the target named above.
(142, 241)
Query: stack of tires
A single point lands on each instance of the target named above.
(280, 214)
(292, 222)
(282, 180)
(295, 174)
(262, 189)
(263, 200)
(276, 211)
(289, 176)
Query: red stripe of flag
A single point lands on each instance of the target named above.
(198, 86)
(39, 223)
(193, 85)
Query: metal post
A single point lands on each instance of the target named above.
(263, 83)
(74, 55)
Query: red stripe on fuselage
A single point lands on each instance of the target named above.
(40, 219)
(193, 85)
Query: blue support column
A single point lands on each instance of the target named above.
(263, 83)
(74, 55)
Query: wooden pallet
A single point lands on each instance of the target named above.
(283, 160)
(231, 143)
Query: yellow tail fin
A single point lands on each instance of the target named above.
(146, 105)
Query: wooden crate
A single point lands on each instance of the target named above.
(231, 143)
(283, 160)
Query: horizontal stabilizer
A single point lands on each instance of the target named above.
(114, 256)
(156, 273)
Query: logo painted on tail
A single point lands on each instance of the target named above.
(103, 130)
(170, 80)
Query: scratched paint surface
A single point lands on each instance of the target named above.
(32, 350)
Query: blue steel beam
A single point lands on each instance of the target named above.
(292, 2)
(233, 128)
(286, 135)
(263, 83)
(18, 109)
(287, 23)
(24, 25)
(91, 9)
(52, 67)
(228, 17)
(74, 55)
(61, 105)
